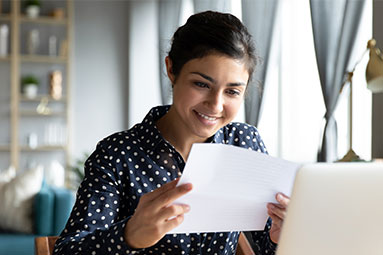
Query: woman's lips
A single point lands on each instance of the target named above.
(206, 119)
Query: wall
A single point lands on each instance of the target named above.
(377, 100)
(116, 73)
(100, 72)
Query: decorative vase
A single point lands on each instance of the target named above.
(33, 41)
(56, 85)
(30, 90)
(32, 140)
(33, 11)
(52, 46)
(4, 31)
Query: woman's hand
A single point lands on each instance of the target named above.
(155, 216)
(277, 213)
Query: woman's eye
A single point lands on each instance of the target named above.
(201, 84)
(233, 92)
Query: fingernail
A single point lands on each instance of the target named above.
(188, 186)
(187, 208)
(279, 196)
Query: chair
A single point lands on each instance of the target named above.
(45, 244)
(244, 247)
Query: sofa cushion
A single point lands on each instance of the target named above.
(20, 244)
(44, 211)
(64, 201)
(7, 175)
(16, 200)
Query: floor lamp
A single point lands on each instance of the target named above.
(374, 77)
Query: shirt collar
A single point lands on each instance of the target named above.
(147, 131)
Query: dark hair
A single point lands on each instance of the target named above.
(212, 33)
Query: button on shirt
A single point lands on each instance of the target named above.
(127, 165)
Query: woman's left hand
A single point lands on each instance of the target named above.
(277, 213)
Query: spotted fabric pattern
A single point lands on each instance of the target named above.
(127, 165)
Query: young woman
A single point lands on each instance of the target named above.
(124, 204)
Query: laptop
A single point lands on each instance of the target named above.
(335, 209)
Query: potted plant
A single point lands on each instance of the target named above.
(30, 85)
(77, 171)
(32, 8)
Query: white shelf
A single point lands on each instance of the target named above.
(43, 59)
(43, 148)
(5, 17)
(43, 20)
(36, 114)
(7, 58)
(38, 98)
(5, 148)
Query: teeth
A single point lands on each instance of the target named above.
(206, 117)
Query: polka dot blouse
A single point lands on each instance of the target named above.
(127, 165)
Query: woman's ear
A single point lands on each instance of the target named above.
(169, 69)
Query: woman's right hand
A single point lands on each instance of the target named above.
(155, 216)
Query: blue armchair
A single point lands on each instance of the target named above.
(52, 207)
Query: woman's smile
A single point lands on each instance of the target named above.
(206, 119)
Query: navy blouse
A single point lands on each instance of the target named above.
(127, 165)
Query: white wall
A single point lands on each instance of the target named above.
(100, 71)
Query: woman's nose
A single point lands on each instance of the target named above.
(215, 102)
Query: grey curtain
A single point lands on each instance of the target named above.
(259, 17)
(335, 25)
(168, 22)
(213, 5)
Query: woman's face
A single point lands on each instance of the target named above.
(208, 93)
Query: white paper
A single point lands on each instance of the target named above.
(231, 188)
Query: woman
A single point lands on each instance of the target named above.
(209, 66)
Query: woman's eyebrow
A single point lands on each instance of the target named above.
(205, 76)
(236, 84)
(233, 84)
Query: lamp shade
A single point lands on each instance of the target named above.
(374, 70)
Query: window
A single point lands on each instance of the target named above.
(292, 113)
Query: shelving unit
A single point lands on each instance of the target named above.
(5, 17)
(23, 116)
(38, 98)
(43, 59)
(5, 148)
(36, 114)
(44, 20)
(45, 148)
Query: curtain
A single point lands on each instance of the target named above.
(168, 22)
(259, 17)
(335, 25)
(213, 5)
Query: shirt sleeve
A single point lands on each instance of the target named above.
(96, 225)
(262, 242)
